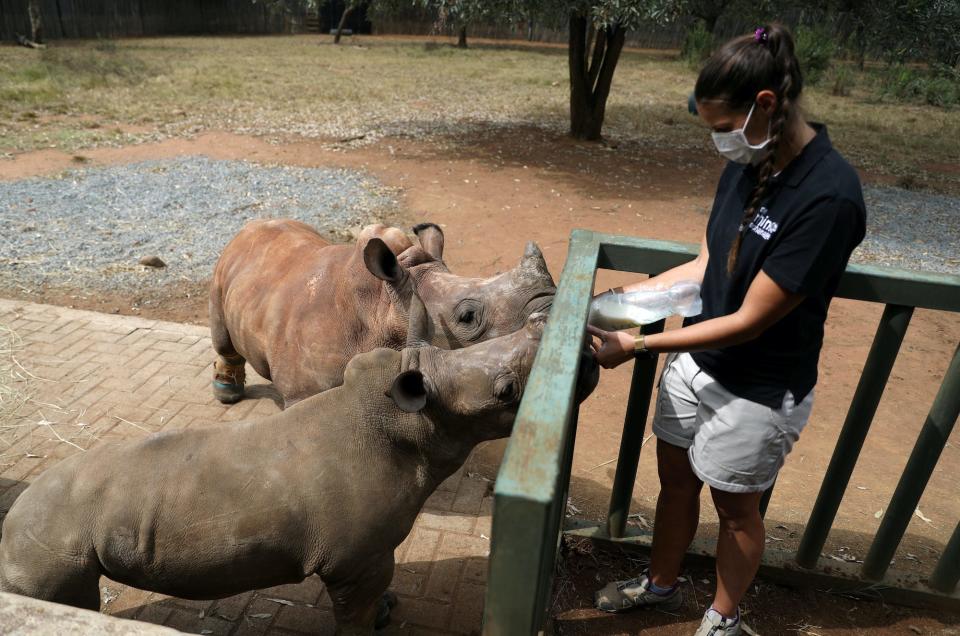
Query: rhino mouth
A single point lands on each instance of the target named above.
(588, 376)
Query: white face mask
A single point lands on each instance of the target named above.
(734, 145)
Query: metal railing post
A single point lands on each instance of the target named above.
(634, 426)
(567, 468)
(530, 489)
(930, 443)
(873, 380)
(558, 515)
(947, 573)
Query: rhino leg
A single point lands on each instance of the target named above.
(387, 602)
(362, 604)
(30, 569)
(229, 371)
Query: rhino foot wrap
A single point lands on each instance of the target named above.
(229, 376)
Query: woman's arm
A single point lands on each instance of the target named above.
(691, 270)
(765, 303)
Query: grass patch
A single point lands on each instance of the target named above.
(302, 86)
(47, 78)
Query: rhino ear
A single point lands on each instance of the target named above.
(409, 391)
(382, 262)
(431, 239)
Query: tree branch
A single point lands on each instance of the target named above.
(599, 50)
(343, 20)
(588, 44)
(615, 38)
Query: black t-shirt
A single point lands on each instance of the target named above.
(801, 237)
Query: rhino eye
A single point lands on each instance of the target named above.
(468, 313)
(506, 389)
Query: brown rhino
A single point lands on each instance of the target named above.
(298, 308)
(330, 486)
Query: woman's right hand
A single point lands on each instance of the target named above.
(616, 347)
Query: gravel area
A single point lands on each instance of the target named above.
(88, 228)
(911, 230)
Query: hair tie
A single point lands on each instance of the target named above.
(760, 35)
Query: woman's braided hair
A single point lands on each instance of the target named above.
(739, 70)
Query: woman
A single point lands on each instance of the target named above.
(738, 386)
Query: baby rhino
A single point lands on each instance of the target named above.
(298, 308)
(329, 486)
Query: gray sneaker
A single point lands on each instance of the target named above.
(714, 624)
(619, 596)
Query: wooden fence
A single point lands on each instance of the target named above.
(419, 22)
(554, 28)
(118, 18)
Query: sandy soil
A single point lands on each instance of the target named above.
(767, 609)
(496, 190)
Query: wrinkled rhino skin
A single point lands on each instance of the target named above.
(298, 308)
(329, 486)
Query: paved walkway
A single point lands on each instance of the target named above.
(72, 379)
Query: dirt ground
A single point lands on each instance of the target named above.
(767, 608)
(499, 188)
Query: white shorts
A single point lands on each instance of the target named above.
(734, 444)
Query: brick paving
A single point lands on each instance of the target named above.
(72, 379)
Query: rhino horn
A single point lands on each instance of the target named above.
(419, 321)
(534, 262)
(431, 239)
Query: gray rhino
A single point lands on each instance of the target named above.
(329, 486)
(298, 308)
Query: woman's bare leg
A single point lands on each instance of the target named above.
(739, 547)
(678, 513)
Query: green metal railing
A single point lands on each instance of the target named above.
(531, 488)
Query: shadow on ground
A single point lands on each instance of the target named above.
(305, 607)
(623, 168)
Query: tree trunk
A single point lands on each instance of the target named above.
(63, 27)
(343, 21)
(143, 28)
(36, 21)
(590, 83)
(861, 46)
(462, 37)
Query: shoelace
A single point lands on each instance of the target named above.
(721, 625)
(622, 585)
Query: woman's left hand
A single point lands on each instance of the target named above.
(616, 347)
